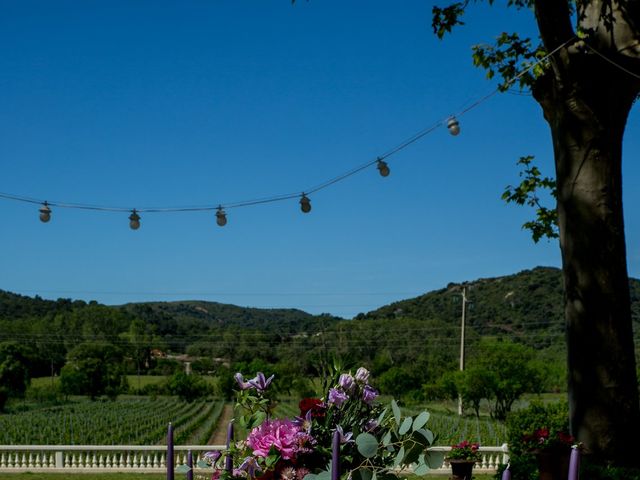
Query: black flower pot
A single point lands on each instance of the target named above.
(553, 464)
(461, 469)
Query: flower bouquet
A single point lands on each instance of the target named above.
(345, 433)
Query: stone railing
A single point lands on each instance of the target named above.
(150, 458)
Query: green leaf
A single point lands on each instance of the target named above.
(362, 474)
(367, 445)
(386, 440)
(257, 419)
(202, 464)
(381, 416)
(427, 434)
(421, 469)
(396, 411)
(406, 426)
(421, 420)
(413, 453)
(434, 459)
(399, 457)
(182, 469)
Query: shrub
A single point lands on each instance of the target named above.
(522, 424)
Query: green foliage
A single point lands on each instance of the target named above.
(14, 373)
(474, 384)
(93, 370)
(400, 381)
(188, 387)
(509, 373)
(123, 422)
(554, 417)
(546, 221)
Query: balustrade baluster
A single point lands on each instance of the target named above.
(24, 461)
(94, 461)
(121, 464)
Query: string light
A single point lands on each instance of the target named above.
(45, 213)
(134, 220)
(305, 204)
(454, 126)
(383, 168)
(221, 217)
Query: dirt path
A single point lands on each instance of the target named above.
(219, 436)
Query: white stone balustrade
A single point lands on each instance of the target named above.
(152, 458)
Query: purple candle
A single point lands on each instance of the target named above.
(506, 475)
(170, 452)
(190, 465)
(335, 456)
(574, 463)
(228, 461)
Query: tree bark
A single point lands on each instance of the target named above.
(586, 101)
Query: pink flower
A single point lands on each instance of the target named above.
(282, 434)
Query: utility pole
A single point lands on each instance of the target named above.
(464, 312)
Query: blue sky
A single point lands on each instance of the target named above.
(164, 104)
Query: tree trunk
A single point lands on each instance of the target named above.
(587, 113)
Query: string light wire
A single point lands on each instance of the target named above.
(321, 186)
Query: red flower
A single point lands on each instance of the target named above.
(315, 405)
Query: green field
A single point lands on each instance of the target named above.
(134, 381)
(134, 421)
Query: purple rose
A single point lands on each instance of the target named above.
(337, 397)
(347, 382)
(362, 375)
(369, 394)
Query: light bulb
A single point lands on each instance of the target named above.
(45, 213)
(383, 168)
(454, 126)
(134, 220)
(221, 217)
(305, 204)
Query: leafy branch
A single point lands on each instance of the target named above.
(545, 223)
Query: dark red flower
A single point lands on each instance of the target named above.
(315, 405)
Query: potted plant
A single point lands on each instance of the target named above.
(552, 448)
(462, 458)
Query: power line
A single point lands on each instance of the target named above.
(450, 121)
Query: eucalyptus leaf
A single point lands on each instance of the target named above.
(202, 464)
(362, 474)
(381, 416)
(386, 440)
(182, 469)
(367, 445)
(406, 425)
(399, 457)
(434, 459)
(396, 411)
(421, 420)
(427, 434)
(421, 469)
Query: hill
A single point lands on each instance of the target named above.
(422, 333)
(526, 306)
